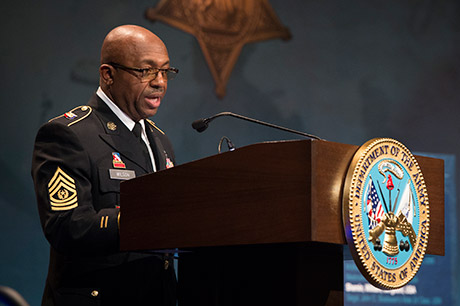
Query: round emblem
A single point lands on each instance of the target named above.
(111, 126)
(386, 213)
(63, 194)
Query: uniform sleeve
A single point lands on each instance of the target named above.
(61, 171)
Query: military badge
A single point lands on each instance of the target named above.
(70, 115)
(169, 163)
(386, 213)
(62, 191)
(111, 126)
(117, 162)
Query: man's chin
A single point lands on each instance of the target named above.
(150, 113)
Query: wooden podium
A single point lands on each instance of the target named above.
(261, 225)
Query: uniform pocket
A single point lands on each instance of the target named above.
(106, 184)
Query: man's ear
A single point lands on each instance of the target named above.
(106, 74)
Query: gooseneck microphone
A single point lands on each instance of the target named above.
(202, 124)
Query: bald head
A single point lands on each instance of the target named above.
(128, 51)
(126, 41)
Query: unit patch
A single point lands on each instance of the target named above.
(169, 163)
(62, 191)
(386, 213)
(117, 162)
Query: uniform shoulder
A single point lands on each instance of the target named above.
(73, 116)
(153, 125)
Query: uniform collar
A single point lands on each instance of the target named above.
(127, 121)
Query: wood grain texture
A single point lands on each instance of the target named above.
(276, 192)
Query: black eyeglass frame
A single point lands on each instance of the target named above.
(167, 73)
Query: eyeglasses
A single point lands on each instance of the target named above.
(149, 74)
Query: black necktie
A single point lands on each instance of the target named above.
(137, 131)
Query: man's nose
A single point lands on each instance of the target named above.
(159, 80)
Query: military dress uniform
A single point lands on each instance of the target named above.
(78, 162)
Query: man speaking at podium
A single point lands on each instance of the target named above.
(79, 160)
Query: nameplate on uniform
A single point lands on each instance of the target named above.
(118, 174)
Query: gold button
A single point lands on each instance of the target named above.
(95, 293)
(84, 108)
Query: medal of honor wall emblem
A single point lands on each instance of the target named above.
(386, 213)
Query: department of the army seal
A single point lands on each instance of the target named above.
(386, 213)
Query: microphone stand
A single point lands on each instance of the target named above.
(202, 124)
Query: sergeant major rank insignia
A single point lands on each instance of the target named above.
(386, 213)
(62, 191)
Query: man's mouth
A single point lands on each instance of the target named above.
(153, 100)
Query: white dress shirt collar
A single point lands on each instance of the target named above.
(127, 121)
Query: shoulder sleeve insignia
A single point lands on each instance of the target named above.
(75, 115)
(152, 124)
(62, 191)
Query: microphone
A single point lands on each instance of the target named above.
(202, 124)
(230, 145)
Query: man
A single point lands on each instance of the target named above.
(78, 163)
